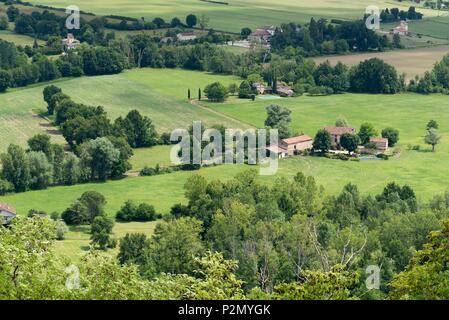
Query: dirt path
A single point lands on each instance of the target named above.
(205, 107)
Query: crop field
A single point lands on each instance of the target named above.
(412, 62)
(235, 15)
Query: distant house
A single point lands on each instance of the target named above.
(262, 88)
(277, 150)
(295, 144)
(402, 29)
(262, 34)
(337, 132)
(186, 36)
(285, 91)
(167, 39)
(7, 213)
(381, 143)
(70, 42)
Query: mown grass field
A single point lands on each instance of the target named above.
(159, 94)
(77, 241)
(18, 39)
(235, 15)
(412, 62)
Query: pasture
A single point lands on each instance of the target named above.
(412, 62)
(426, 172)
(159, 94)
(237, 14)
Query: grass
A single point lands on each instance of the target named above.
(150, 157)
(236, 15)
(159, 94)
(77, 241)
(18, 39)
(412, 62)
(424, 171)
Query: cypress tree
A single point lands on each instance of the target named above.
(199, 94)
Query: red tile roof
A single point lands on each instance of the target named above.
(384, 140)
(338, 131)
(276, 149)
(298, 139)
(5, 207)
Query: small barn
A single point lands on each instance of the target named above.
(7, 213)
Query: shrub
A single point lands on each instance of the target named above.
(132, 212)
(61, 230)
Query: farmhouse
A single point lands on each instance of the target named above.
(285, 91)
(70, 42)
(337, 132)
(277, 150)
(402, 29)
(261, 88)
(262, 34)
(186, 36)
(381, 143)
(7, 213)
(295, 144)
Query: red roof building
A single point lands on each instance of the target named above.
(295, 144)
(337, 132)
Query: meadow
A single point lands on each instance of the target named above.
(237, 14)
(426, 172)
(159, 94)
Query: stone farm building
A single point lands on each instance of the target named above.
(296, 144)
(262, 34)
(337, 132)
(70, 42)
(7, 213)
(402, 29)
(277, 150)
(186, 36)
(381, 143)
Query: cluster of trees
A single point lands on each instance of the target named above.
(280, 234)
(101, 149)
(80, 123)
(434, 81)
(394, 14)
(243, 240)
(350, 142)
(191, 21)
(16, 70)
(321, 37)
(131, 211)
(48, 25)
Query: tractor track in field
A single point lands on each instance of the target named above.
(207, 108)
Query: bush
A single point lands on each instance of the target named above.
(216, 92)
(61, 230)
(132, 212)
(5, 187)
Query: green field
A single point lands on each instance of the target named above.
(426, 172)
(18, 39)
(160, 94)
(238, 14)
(77, 240)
